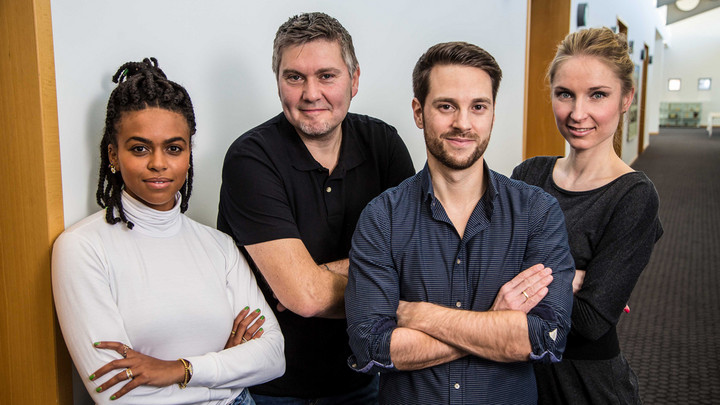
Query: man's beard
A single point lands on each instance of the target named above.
(316, 131)
(436, 148)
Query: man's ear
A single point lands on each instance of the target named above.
(417, 112)
(355, 80)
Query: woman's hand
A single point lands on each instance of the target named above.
(140, 368)
(524, 291)
(245, 327)
(578, 280)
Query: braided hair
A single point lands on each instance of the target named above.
(141, 85)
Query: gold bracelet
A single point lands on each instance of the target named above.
(188, 373)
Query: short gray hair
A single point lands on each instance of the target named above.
(307, 27)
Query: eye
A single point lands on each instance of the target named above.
(444, 107)
(293, 78)
(563, 95)
(598, 95)
(139, 149)
(175, 149)
(327, 76)
(479, 107)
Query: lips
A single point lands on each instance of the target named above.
(158, 183)
(579, 131)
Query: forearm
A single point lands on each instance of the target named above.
(301, 285)
(412, 349)
(338, 267)
(494, 335)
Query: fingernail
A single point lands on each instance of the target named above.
(92, 377)
(98, 389)
(96, 344)
(257, 310)
(246, 308)
(260, 330)
(112, 398)
(262, 317)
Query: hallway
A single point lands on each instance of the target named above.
(672, 335)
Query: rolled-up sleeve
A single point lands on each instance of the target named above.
(549, 321)
(372, 292)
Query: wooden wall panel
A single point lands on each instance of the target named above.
(34, 364)
(548, 24)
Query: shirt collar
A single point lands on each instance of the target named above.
(486, 201)
(149, 221)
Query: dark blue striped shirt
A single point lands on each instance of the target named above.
(406, 248)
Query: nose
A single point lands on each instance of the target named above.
(462, 120)
(157, 161)
(578, 112)
(311, 90)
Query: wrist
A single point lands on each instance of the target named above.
(187, 373)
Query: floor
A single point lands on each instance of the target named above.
(671, 337)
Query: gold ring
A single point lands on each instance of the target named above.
(128, 373)
(244, 340)
(232, 333)
(525, 294)
(125, 349)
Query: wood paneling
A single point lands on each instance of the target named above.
(34, 364)
(548, 24)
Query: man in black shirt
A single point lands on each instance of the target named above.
(292, 191)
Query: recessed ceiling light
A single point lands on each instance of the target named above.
(686, 5)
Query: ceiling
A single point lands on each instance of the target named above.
(675, 14)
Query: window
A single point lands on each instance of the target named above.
(673, 84)
(704, 83)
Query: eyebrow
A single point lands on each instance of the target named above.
(591, 88)
(319, 71)
(167, 141)
(450, 100)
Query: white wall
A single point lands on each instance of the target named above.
(643, 20)
(221, 51)
(694, 52)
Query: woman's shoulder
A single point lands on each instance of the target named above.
(91, 226)
(636, 186)
(537, 163)
(534, 170)
(208, 233)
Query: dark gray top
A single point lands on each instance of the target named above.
(612, 231)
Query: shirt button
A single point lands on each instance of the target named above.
(457, 386)
(458, 304)
(329, 189)
(458, 261)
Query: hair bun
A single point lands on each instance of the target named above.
(148, 66)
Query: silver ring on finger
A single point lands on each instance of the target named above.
(129, 374)
(125, 350)
(244, 340)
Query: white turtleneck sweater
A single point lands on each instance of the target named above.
(169, 288)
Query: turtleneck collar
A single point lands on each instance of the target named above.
(152, 222)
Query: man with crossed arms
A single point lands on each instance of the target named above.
(425, 301)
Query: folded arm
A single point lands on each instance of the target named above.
(301, 285)
(611, 274)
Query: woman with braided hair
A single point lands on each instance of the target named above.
(162, 310)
